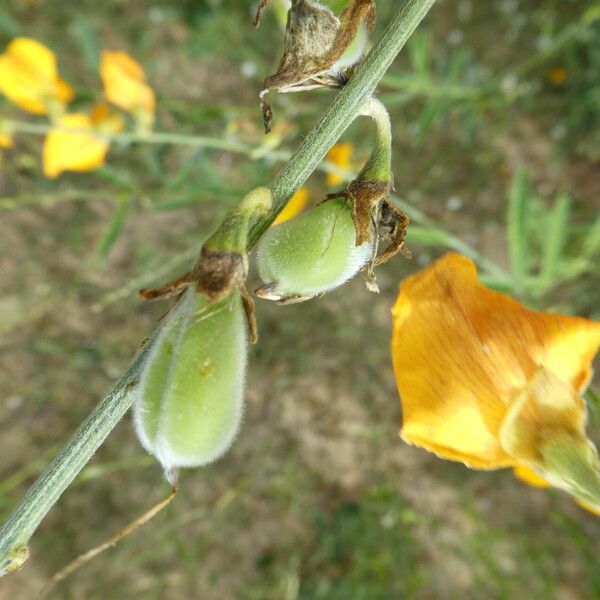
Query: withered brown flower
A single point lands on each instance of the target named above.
(319, 47)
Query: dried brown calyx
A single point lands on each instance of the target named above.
(376, 216)
(222, 266)
(319, 47)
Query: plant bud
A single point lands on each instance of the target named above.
(311, 254)
(189, 400)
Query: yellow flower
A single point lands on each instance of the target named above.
(341, 156)
(6, 140)
(29, 77)
(73, 150)
(557, 75)
(485, 381)
(294, 206)
(125, 86)
(106, 120)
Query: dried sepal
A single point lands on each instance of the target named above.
(317, 48)
(376, 218)
(222, 266)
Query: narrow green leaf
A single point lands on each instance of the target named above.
(432, 110)
(113, 228)
(9, 26)
(554, 238)
(516, 226)
(591, 244)
(428, 236)
(592, 397)
(418, 48)
(88, 42)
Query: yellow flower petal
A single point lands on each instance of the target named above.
(73, 151)
(595, 510)
(6, 141)
(530, 477)
(29, 77)
(125, 84)
(461, 353)
(105, 119)
(294, 206)
(546, 408)
(340, 155)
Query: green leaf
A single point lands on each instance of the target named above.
(591, 244)
(433, 109)
(418, 48)
(8, 25)
(88, 42)
(517, 225)
(428, 236)
(592, 397)
(113, 228)
(555, 236)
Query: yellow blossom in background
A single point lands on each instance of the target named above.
(106, 120)
(6, 140)
(485, 381)
(29, 77)
(557, 75)
(295, 206)
(341, 156)
(73, 150)
(125, 86)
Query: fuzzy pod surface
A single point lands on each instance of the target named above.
(189, 401)
(312, 253)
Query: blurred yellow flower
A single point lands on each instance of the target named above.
(6, 140)
(106, 120)
(295, 206)
(341, 156)
(73, 150)
(29, 77)
(125, 86)
(557, 75)
(485, 381)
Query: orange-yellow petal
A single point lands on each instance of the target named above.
(545, 409)
(595, 510)
(341, 156)
(461, 352)
(295, 206)
(105, 119)
(73, 150)
(530, 477)
(125, 83)
(29, 77)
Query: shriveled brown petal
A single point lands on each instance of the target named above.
(315, 40)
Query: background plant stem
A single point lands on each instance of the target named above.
(43, 494)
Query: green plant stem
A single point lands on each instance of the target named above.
(343, 110)
(41, 497)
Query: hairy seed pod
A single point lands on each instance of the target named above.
(189, 399)
(311, 254)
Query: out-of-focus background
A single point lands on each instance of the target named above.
(496, 112)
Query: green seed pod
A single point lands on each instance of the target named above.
(311, 254)
(189, 400)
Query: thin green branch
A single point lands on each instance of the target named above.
(41, 497)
